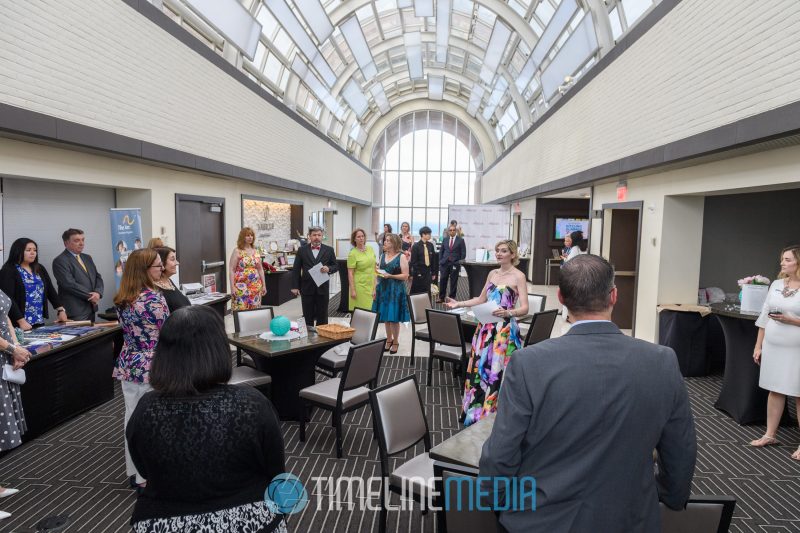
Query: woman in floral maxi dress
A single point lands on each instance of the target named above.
(494, 342)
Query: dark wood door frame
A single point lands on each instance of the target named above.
(638, 206)
(205, 200)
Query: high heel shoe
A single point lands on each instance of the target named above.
(387, 346)
(4, 515)
(8, 492)
(393, 349)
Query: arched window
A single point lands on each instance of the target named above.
(421, 163)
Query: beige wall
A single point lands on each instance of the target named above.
(669, 270)
(707, 63)
(149, 187)
(102, 64)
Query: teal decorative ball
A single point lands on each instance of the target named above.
(280, 325)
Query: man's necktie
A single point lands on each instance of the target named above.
(451, 242)
(80, 262)
(427, 257)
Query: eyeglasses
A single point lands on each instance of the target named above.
(161, 267)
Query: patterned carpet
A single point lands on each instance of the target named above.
(78, 469)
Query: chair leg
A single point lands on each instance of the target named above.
(238, 357)
(413, 346)
(441, 364)
(302, 421)
(382, 517)
(430, 370)
(338, 434)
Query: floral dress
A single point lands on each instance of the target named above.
(492, 347)
(141, 324)
(390, 302)
(12, 419)
(246, 282)
(34, 296)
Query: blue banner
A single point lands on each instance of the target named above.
(126, 236)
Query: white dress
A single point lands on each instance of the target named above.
(780, 351)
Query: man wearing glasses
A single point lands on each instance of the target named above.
(80, 285)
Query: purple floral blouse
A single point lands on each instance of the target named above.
(141, 323)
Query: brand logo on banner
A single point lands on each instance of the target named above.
(126, 236)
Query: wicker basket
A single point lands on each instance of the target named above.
(335, 331)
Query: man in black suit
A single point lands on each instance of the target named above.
(424, 263)
(452, 251)
(314, 299)
(80, 285)
(582, 414)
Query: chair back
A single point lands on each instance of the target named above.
(365, 323)
(417, 304)
(252, 320)
(703, 514)
(399, 415)
(541, 326)
(444, 328)
(536, 303)
(460, 506)
(362, 366)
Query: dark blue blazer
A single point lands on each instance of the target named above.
(449, 257)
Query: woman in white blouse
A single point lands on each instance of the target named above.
(777, 347)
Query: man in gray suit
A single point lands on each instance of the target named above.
(583, 413)
(80, 285)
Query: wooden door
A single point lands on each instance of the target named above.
(621, 243)
(200, 238)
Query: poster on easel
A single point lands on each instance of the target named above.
(126, 236)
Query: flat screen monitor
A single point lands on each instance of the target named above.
(565, 226)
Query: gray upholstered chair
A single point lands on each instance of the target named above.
(535, 304)
(703, 514)
(245, 371)
(446, 340)
(400, 423)
(251, 377)
(366, 325)
(541, 327)
(459, 512)
(250, 321)
(417, 304)
(347, 393)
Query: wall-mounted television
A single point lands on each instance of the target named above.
(564, 226)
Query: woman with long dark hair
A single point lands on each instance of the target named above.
(142, 311)
(208, 450)
(28, 285)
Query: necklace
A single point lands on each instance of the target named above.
(787, 292)
(166, 285)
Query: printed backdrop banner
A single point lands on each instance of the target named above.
(126, 236)
(483, 225)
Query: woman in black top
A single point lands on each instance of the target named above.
(28, 285)
(175, 298)
(207, 449)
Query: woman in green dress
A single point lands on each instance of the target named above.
(361, 271)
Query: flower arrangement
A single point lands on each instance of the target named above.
(758, 279)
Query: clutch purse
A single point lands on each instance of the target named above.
(13, 376)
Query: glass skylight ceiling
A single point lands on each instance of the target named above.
(343, 64)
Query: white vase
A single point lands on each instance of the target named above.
(753, 297)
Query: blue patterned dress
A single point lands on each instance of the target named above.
(34, 296)
(390, 294)
(492, 347)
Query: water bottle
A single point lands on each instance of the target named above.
(301, 327)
